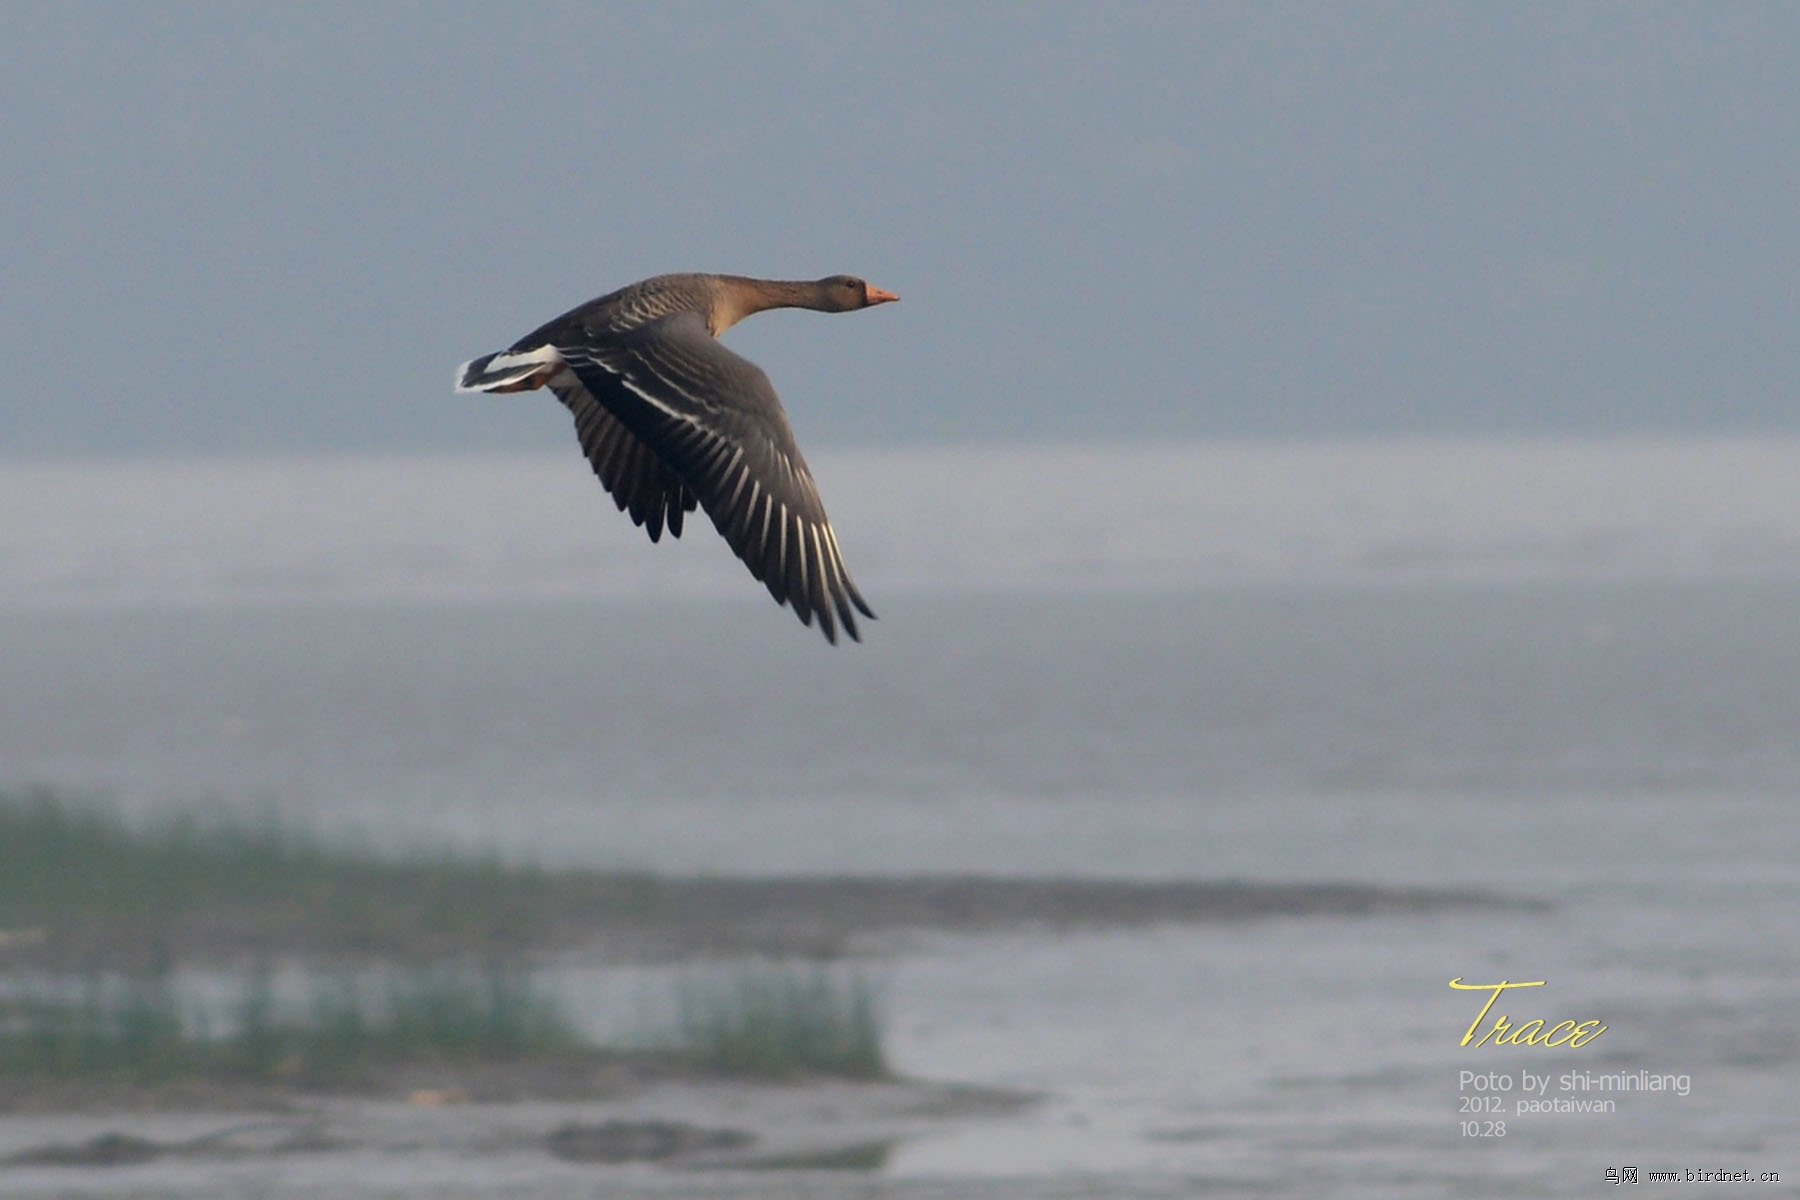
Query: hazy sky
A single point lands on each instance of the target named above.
(270, 228)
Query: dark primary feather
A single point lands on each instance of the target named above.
(639, 482)
(714, 419)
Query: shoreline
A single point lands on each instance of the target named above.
(414, 912)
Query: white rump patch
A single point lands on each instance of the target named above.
(506, 368)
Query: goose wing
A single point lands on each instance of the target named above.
(715, 423)
(639, 481)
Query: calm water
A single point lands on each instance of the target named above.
(1630, 751)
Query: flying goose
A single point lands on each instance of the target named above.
(671, 420)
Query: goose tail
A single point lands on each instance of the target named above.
(508, 370)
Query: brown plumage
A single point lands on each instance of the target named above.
(672, 420)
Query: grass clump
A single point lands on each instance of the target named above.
(95, 909)
(456, 1013)
(133, 1029)
(764, 1021)
(128, 1029)
(777, 1021)
(88, 886)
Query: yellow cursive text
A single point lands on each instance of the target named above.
(1531, 1033)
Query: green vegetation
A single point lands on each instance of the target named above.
(82, 885)
(135, 1029)
(95, 909)
(765, 1021)
(80, 889)
(95, 912)
(779, 1022)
